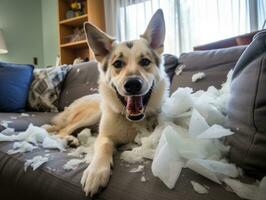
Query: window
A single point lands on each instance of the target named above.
(191, 22)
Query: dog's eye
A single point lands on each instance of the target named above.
(144, 62)
(118, 64)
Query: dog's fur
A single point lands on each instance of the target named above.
(116, 126)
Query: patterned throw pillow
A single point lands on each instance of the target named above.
(46, 87)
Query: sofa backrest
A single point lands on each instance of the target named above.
(81, 80)
(214, 63)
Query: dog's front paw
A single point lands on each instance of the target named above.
(72, 141)
(95, 177)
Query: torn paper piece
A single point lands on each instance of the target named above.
(180, 102)
(197, 124)
(215, 131)
(199, 188)
(179, 69)
(7, 138)
(8, 131)
(21, 147)
(140, 168)
(5, 123)
(213, 170)
(198, 76)
(147, 148)
(73, 164)
(13, 117)
(53, 143)
(143, 179)
(211, 114)
(245, 191)
(24, 115)
(35, 162)
(167, 164)
(84, 136)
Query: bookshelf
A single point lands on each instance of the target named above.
(70, 49)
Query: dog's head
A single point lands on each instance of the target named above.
(132, 68)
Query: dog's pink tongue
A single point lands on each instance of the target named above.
(134, 104)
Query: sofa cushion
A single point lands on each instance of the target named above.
(247, 108)
(52, 182)
(15, 81)
(214, 63)
(46, 88)
(81, 80)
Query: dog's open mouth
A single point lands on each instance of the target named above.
(135, 105)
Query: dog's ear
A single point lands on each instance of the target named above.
(99, 42)
(155, 32)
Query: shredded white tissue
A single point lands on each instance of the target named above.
(199, 188)
(13, 117)
(84, 136)
(24, 115)
(197, 124)
(73, 164)
(248, 191)
(215, 131)
(179, 69)
(21, 147)
(143, 179)
(213, 170)
(140, 168)
(5, 123)
(8, 131)
(35, 135)
(198, 76)
(35, 162)
(53, 143)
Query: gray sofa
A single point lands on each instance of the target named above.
(51, 181)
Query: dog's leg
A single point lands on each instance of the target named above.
(98, 173)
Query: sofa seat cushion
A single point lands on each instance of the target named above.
(20, 122)
(214, 63)
(52, 182)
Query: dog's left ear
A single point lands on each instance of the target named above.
(155, 32)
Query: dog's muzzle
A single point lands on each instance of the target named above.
(135, 104)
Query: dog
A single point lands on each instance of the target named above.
(132, 89)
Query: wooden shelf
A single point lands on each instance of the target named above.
(78, 44)
(94, 13)
(75, 21)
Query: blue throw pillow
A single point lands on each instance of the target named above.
(15, 80)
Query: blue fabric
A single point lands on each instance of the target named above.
(15, 80)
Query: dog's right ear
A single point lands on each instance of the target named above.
(99, 42)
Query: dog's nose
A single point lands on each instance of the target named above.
(133, 85)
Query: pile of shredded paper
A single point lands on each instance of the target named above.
(189, 134)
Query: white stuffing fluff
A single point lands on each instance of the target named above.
(199, 188)
(35, 162)
(83, 153)
(5, 123)
(24, 115)
(21, 147)
(248, 191)
(140, 168)
(143, 179)
(198, 76)
(73, 164)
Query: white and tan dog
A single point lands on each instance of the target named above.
(132, 88)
